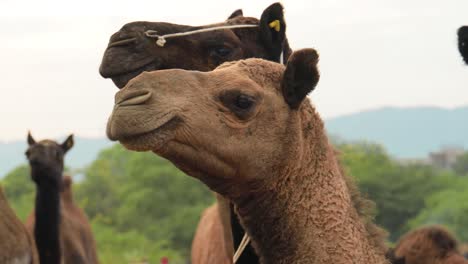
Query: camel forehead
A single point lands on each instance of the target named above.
(48, 143)
(264, 73)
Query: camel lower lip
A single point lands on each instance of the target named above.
(152, 140)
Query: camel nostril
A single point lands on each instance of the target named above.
(136, 97)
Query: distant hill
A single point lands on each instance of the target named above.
(84, 152)
(405, 132)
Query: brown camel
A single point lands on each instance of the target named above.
(130, 52)
(16, 243)
(248, 132)
(463, 42)
(61, 229)
(429, 245)
(208, 245)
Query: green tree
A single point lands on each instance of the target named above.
(449, 208)
(399, 191)
(20, 190)
(143, 193)
(461, 165)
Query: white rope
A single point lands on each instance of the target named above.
(162, 38)
(243, 244)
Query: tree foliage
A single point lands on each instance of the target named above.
(142, 207)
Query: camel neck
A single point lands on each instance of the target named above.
(305, 214)
(47, 221)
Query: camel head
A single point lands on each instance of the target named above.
(390, 256)
(47, 156)
(226, 125)
(131, 51)
(430, 244)
(463, 42)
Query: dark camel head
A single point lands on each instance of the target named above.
(131, 51)
(233, 124)
(390, 256)
(47, 156)
(463, 42)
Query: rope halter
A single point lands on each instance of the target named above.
(161, 39)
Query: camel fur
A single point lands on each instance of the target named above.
(429, 245)
(61, 229)
(16, 243)
(463, 42)
(208, 245)
(248, 132)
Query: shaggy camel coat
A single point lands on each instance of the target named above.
(16, 243)
(247, 131)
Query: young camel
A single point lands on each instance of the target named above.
(429, 245)
(463, 42)
(61, 229)
(16, 243)
(248, 132)
(131, 52)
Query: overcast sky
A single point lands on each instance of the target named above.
(374, 53)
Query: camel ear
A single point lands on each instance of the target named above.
(31, 140)
(236, 13)
(300, 77)
(273, 30)
(68, 143)
(463, 42)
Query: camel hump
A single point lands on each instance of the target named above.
(67, 182)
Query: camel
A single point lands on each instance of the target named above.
(463, 42)
(130, 52)
(248, 132)
(61, 229)
(208, 245)
(16, 243)
(429, 245)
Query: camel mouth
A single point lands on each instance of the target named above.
(152, 140)
(121, 79)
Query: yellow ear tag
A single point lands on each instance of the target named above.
(275, 24)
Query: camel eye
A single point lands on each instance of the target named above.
(221, 51)
(244, 102)
(27, 153)
(241, 104)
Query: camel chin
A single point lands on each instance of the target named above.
(155, 140)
